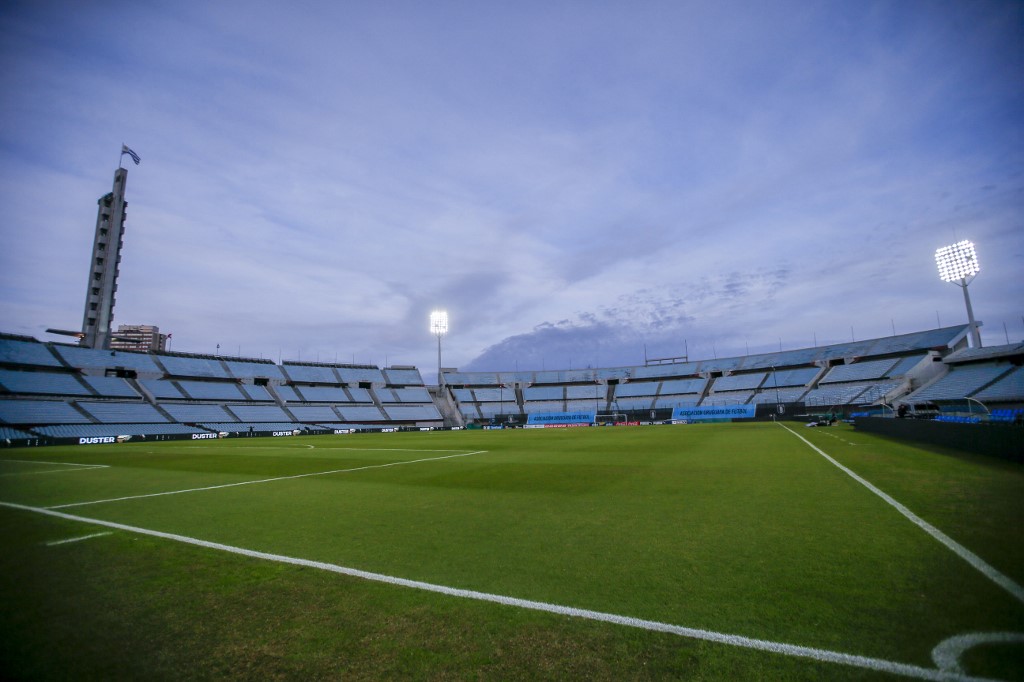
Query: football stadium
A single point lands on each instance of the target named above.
(847, 511)
(575, 181)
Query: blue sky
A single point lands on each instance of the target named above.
(574, 182)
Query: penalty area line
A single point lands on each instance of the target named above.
(976, 562)
(265, 480)
(54, 543)
(76, 467)
(821, 655)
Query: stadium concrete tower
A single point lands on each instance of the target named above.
(101, 291)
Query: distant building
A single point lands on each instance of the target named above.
(104, 266)
(141, 337)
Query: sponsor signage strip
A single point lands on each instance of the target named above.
(696, 414)
(546, 418)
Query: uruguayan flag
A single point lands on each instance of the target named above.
(125, 149)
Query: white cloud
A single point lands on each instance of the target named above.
(315, 180)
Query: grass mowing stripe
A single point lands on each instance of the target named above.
(265, 480)
(821, 655)
(967, 555)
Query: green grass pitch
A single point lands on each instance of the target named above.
(740, 532)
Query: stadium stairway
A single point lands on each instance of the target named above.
(81, 410)
(445, 404)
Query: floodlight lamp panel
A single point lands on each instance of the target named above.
(957, 262)
(439, 322)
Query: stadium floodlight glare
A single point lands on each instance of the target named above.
(957, 261)
(439, 327)
(439, 323)
(958, 264)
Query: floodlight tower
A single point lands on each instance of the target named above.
(439, 327)
(958, 264)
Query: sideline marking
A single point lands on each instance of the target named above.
(822, 655)
(967, 555)
(264, 480)
(947, 654)
(322, 447)
(84, 537)
(81, 467)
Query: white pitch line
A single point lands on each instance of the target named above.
(947, 654)
(822, 655)
(967, 555)
(63, 464)
(323, 447)
(264, 480)
(79, 467)
(84, 537)
(394, 449)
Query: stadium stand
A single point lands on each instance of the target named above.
(242, 427)
(356, 375)
(586, 392)
(905, 365)
(412, 412)
(122, 413)
(322, 394)
(89, 358)
(728, 398)
(767, 396)
(161, 388)
(192, 366)
(403, 376)
(256, 392)
(790, 377)
(631, 404)
(667, 370)
(405, 395)
(839, 394)
(33, 412)
(42, 383)
(855, 373)
(72, 431)
(858, 371)
(537, 406)
(877, 391)
(69, 390)
(287, 394)
(738, 382)
(259, 413)
(151, 392)
(26, 352)
(191, 412)
(11, 434)
(360, 413)
(210, 390)
(311, 374)
(360, 395)
(530, 394)
(252, 369)
(961, 382)
(637, 388)
(110, 387)
(1007, 388)
(314, 413)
